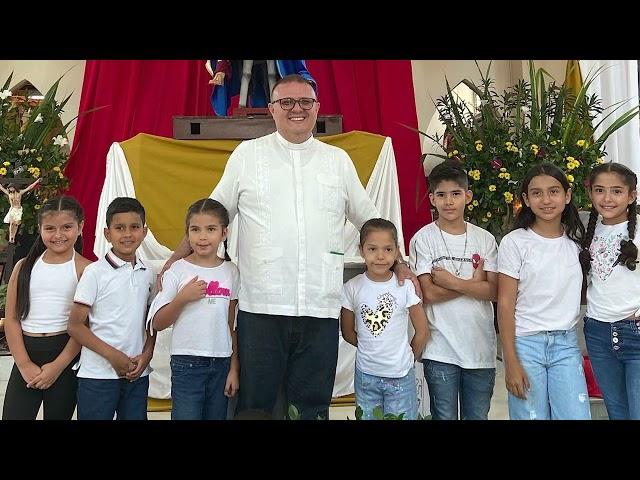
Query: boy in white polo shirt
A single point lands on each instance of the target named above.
(113, 295)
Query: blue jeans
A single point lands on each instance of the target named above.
(197, 387)
(448, 384)
(101, 399)
(393, 395)
(614, 351)
(298, 354)
(553, 364)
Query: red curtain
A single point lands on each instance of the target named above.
(139, 96)
(144, 95)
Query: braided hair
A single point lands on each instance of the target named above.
(628, 250)
(210, 207)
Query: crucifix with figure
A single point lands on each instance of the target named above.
(14, 191)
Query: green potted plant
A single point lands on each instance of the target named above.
(529, 122)
(33, 144)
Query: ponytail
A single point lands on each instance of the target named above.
(59, 204)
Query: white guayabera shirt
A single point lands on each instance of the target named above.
(292, 201)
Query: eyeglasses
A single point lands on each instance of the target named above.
(288, 103)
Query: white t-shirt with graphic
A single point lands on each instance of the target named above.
(614, 292)
(202, 328)
(381, 311)
(462, 330)
(549, 280)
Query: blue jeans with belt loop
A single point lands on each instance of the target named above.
(614, 351)
(197, 387)
(553, 364)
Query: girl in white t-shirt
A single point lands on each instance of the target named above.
(199, 297)
(609, 260)
(375, 319)
(539, 287)
(39, 300)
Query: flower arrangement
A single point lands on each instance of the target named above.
(33, 144)
(529, 123)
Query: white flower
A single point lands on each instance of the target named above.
(5, 93)
(60, 140)
(39, 119)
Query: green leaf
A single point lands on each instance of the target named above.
(378, 413)
(293, 412)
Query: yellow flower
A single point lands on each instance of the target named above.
(553, 142)
(508, 197)
(534, 147)
(492, 188)
(508, 145)
(590, 205)
(488, 214)
(570, 178)
(476, 177)
(455, 152)
(600, 161)
(501, 175)
(478, 141)
(507, 176)
(37, 207)
(479, 147)
(450, 154)
(580, 143)
(39, 159)
(571, 159)
(56, 169)
(6, 164)
(475, 203)
(484, 219)
(503, 169)
(469, 207)
(60, 175)
(3, 171)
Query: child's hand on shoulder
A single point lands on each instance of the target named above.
(193, 290)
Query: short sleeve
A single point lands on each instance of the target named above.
(235, 282)
(420, 255)
(347, 296)
(170, 284)
(490, 253)
(509, 257)
(412, 298)
(87, 289)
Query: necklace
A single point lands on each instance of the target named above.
(453, 265)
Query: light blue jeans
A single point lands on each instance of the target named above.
(451, 384)
(614, 351)
(393, 395)
(553, 364)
